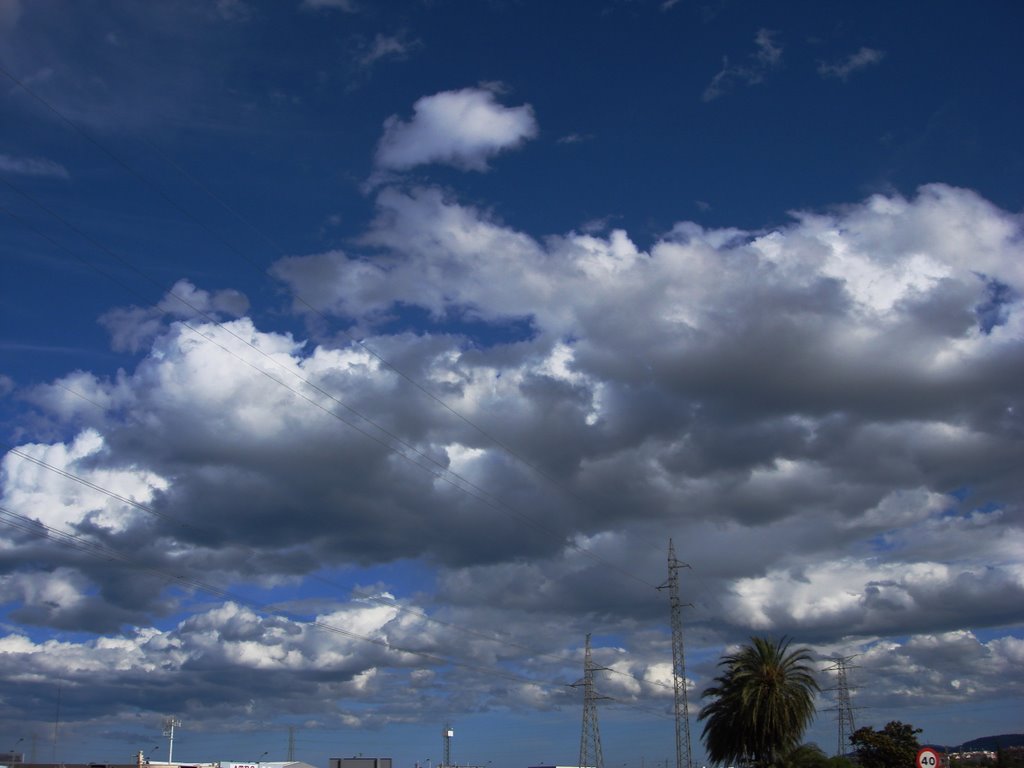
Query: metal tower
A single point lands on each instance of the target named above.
(590, 737)
(684, 755)
(844, 709)
(170, 724)
(446, 734)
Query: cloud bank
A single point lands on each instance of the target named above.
(825, 416)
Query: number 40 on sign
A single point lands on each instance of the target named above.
(928, 758)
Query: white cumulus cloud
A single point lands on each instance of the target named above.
(462, 128)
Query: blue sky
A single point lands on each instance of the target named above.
(360, 359)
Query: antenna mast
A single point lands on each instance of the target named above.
(682, 705)
(170, 723)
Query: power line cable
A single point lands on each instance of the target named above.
(223, 326)
(152, 185)
(39, 529)
(366, 347)
(441, 471)
(279, 251)
(375, 598)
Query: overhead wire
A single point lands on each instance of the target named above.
(31, 526)
(281, 253)
(223, 326)
(39, 529)
(359, 342)
(203, 336)
(167, 198)
(441, 471)
(148, 509)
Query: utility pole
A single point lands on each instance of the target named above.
(56, 723)
(170, 723)
(684, 755)
(291, 743)
(843, 708)
(590, 737)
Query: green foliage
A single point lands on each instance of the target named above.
(812, 756)
(806, 756)
(762, 703)
(895, 746)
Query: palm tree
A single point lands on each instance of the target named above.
(763, 702)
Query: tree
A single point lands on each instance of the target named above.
(763, 703)
(806, 756)
(895, 746)
(812, 756)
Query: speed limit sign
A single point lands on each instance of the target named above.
(928, 758)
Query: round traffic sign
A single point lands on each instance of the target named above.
(928, 758)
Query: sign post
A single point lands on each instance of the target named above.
(928, 758)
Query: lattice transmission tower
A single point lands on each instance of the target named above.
(843, 708)
(684, 754)
(590, 737)
(446, 735)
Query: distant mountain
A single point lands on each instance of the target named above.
(992, 743)
(986, 743)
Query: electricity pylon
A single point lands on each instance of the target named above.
(843, 708)
(590, 737)
(684, 754)
(446, 735)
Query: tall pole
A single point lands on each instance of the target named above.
(684, 755)
(170, 724)
(447, 734)
(56, 724)
(291, 743)
(590, 737)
